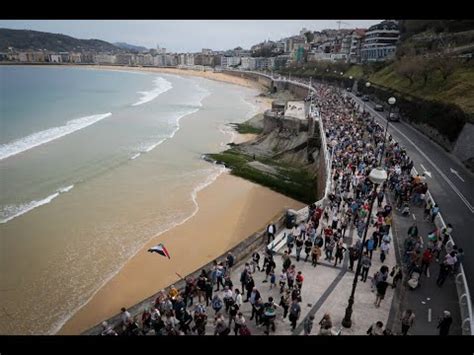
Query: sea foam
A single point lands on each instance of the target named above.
(48, 135)
(8, 212)
(161, 86)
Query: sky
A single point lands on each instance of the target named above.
(183, 35)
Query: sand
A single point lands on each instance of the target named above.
(230, 210)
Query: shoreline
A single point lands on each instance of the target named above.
(255, 204)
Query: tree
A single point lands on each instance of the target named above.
(426, 67)
(446, 65)
(408, 67)
(309, 36)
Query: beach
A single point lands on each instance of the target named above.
(230, 210)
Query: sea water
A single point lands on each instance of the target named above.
(93, 164)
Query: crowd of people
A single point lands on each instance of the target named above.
(357, 144)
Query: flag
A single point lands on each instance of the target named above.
(160, 249)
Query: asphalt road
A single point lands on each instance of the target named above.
(453, 192)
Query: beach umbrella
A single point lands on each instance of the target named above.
(160, 249)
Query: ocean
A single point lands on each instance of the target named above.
(90, 171)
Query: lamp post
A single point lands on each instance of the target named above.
(391, 101)
(367, 85)
(377, 176)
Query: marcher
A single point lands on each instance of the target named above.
(445, 323)
(408, 317)
(376, 329)
(366, 264)
(381, 287)
(326, 325)
(295, 311)
(308, 325)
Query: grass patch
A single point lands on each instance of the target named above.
(245, 128)
(458, 89)
(298, 184)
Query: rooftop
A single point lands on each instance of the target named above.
(296, 109)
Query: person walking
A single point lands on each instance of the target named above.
(269, 314)
(445, 323)
(315, 254)
(408, 317)
(353, 255)
(340, 249)
(426, 261)
(381, 287)
(299, 246)
(271, 230)
(397, 275)
(308, 245)
(244, 275)
(254, 262)
(366, 263)
(308, 325)
(326, 325)
(376, 329)
(299, 280)
(295, 312)
(249, 286)
(285, 303)
(329, 249)
(239, 322)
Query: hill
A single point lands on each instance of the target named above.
(23, 40)
(131, 47)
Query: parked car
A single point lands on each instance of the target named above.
(365, 98)
(394, 117)
(358, 94)
(378, 108)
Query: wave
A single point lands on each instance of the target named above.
(10, 212)
(215, 172)
(192, 107)
(135, 156)
(33, 140)
(162, 86)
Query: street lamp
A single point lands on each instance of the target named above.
(367, 85)
(391, 101)
(377, 176)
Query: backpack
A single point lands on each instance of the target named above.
(217, 303)
(269, 311)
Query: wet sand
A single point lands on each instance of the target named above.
(230, 210)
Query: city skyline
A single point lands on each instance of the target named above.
(183, 35)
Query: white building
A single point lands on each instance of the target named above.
(229, 61)
(380, 42)
(104, 59)
(245, 63)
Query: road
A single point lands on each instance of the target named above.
(450, 183)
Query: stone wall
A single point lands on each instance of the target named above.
(271, 121)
